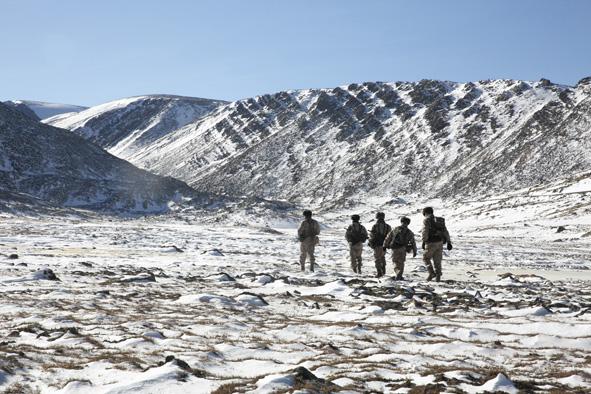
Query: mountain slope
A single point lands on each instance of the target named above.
(44, 110)
(433, 138)
(23, 108)
(59, 167)
(339, 146)
(125, 126)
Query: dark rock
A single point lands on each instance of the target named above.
(86, 264)
(13, 256)
(184, 366)
(73, 331)
(545, 82)
(45, 273)
(560, 229)
(304, 378)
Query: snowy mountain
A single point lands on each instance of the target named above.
(339, 146)
(431, 137)
(43, 110)
(57, 166)
(125, 126)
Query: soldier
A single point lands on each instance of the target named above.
(434, 235)
(308, 236)
(401, 240)
(377, 235)
(356, 235)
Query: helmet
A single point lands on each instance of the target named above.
(380, 215)
(427, 211)
(404, 219)
(307, 213)
(355, 218)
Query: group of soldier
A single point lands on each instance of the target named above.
(400, 239)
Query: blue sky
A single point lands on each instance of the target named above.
(89, 52)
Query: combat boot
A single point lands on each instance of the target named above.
(431, 274)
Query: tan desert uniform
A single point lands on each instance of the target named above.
(378, 233)
(399, 252)
(433, 247)
(308, 236)
(355, 245)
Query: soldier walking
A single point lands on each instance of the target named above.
(434, 235)
(377, 235)
(401, 240)
(356, 235)
(308, 236)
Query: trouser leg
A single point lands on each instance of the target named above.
(398, 258)
(380, 260)
(437, 258)
(433, 251)
(353, 258)
(303, 253)
(377, 261)
(311, 254)
(355, 254)
(358, 251)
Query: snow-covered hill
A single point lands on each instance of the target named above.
(341, 145)
(60, 167)
(45, 110)
(125, 126)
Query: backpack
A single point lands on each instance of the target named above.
(378, 234)
(437, 229)
(307, 229)
(400, 238)
(356, 233)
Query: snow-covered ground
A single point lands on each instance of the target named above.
(164, 305)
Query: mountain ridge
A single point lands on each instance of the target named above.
(42, 109)
(58, 167)
(122, 126)
(340, 145)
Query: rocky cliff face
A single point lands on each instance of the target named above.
(433, 138)
(57, 166)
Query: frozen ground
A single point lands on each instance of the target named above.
(157, 306)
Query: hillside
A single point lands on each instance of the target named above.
(126, 126)
(61, 168)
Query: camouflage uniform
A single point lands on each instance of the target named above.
(399, 251)
(377, 235)
(308, 236)
(433, 245)
(356, 235)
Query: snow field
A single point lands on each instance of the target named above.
(230, 304)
